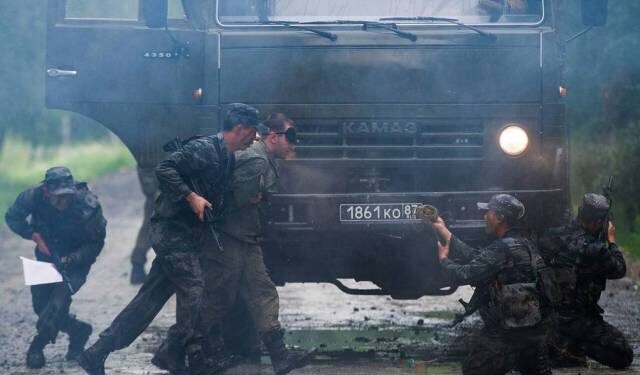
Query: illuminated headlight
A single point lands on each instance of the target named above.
(513, 140)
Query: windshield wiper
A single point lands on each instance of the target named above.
(366, 25)
(296, 25)
(383, 25)
(442, 19)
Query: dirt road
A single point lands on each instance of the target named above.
(355, 335)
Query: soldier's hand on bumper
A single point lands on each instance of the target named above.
(42, 246)
(198, 204)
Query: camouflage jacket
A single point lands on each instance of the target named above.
(76, 233)
(506, 260)
(256, 172)
(205, 159)
(582, 264)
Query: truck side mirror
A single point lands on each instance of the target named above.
(154, 13)
(594, 12)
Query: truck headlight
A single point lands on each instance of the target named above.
(513, 140)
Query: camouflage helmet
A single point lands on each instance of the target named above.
(505, 204)
(594, 207)
(59, 181)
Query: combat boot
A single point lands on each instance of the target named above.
(170, 357)
(92, 360)
(137, 274)
(284, 360)
(79, 333)
(35, 354)
(219, 358)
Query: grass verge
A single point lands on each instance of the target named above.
(22, 165)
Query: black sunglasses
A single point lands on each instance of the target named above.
(290, 135)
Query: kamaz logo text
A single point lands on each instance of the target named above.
(372, 128)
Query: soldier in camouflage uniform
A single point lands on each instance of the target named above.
(240, 272)
(583, 259)
(178, 235)
(66, 223)
(504, 274)
(149, 185)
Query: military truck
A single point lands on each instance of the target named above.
(397, 103)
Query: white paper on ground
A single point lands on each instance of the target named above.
(36, 273)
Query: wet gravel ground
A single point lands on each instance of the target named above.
(354, 334)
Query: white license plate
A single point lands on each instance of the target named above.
(378, 212)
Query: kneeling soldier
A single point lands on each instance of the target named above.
(68, 228)
(583, 260)
(505, 276)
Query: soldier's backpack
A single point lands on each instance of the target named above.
(522, 305)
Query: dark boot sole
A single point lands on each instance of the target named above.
(87, 367)
(301, 363)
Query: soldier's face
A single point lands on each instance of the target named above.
(240, 137)
(282, 148)
(60, 202)
(491, 222)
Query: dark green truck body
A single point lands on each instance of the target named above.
(383, 122)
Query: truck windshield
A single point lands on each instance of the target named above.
(467, 11)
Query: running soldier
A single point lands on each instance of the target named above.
(178, 235)
(240, 272)
(67, 225)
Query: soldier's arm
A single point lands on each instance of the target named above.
(460, 251)
(248, 178)
(485, 263)
(196, 156)
(611, 263)
(16, 215)
(95, 233)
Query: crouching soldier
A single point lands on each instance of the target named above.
(506, 295)
(240, 272)
(67, 225)
(583, 258)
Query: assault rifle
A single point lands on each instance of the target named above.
(607, 191)
(209, 215)
(52, 244)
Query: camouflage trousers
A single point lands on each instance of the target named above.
(178, 273)
(51, 303)
(497, 353)
(593, 337)
(238, 274)
(149, 186)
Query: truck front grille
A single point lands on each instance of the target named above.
(390, 139)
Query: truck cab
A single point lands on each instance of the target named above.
(397, 103)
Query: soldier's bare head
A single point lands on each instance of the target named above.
(279, 136)
(239, 128)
